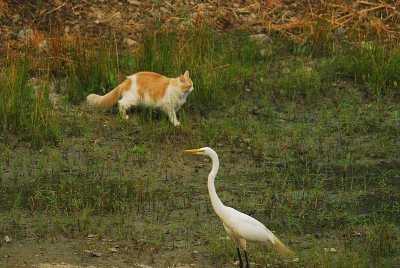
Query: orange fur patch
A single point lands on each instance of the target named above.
(174, 82)
(113, 96)
(126, 85)
(186, 85)
(187, 81)
(153, 84)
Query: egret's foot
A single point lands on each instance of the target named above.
(240, 258)
(247, 260)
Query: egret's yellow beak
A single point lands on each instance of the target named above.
(193, 151)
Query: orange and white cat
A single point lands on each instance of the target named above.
(147, 89)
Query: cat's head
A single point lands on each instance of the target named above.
(185, 83)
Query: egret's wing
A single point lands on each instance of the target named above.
(246, 227)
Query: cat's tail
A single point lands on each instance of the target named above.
(110, 98)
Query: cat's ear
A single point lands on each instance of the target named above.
(186, 74)
(182, 79)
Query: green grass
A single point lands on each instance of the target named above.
(308, 142)
(90, 68)
(26, 110)
(377, 67)
(301, 84)
(214, 65)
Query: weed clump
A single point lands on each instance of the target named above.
(217, 67)
(303, 83)
(26, 110)
(92, 68)
(377, 67)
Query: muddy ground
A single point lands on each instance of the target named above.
(172, 224)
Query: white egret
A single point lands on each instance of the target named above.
(240, 227)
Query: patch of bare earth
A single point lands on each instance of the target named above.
(78, 253)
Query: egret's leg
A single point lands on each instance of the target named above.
(247, 261)
(240, 258)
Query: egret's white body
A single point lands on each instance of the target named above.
(240, 227)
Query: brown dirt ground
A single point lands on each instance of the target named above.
(73, 253)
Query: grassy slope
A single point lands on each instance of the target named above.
(309, 145)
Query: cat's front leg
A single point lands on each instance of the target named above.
(171, 115)
(172, 118)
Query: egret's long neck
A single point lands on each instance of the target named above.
(215, 201)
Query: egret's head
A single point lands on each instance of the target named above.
(201, 151)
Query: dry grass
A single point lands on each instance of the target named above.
(355, 20)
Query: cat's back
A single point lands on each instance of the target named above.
(150, 83)
(150, 77)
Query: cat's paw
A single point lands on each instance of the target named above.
(126, 117)
(177, 123)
